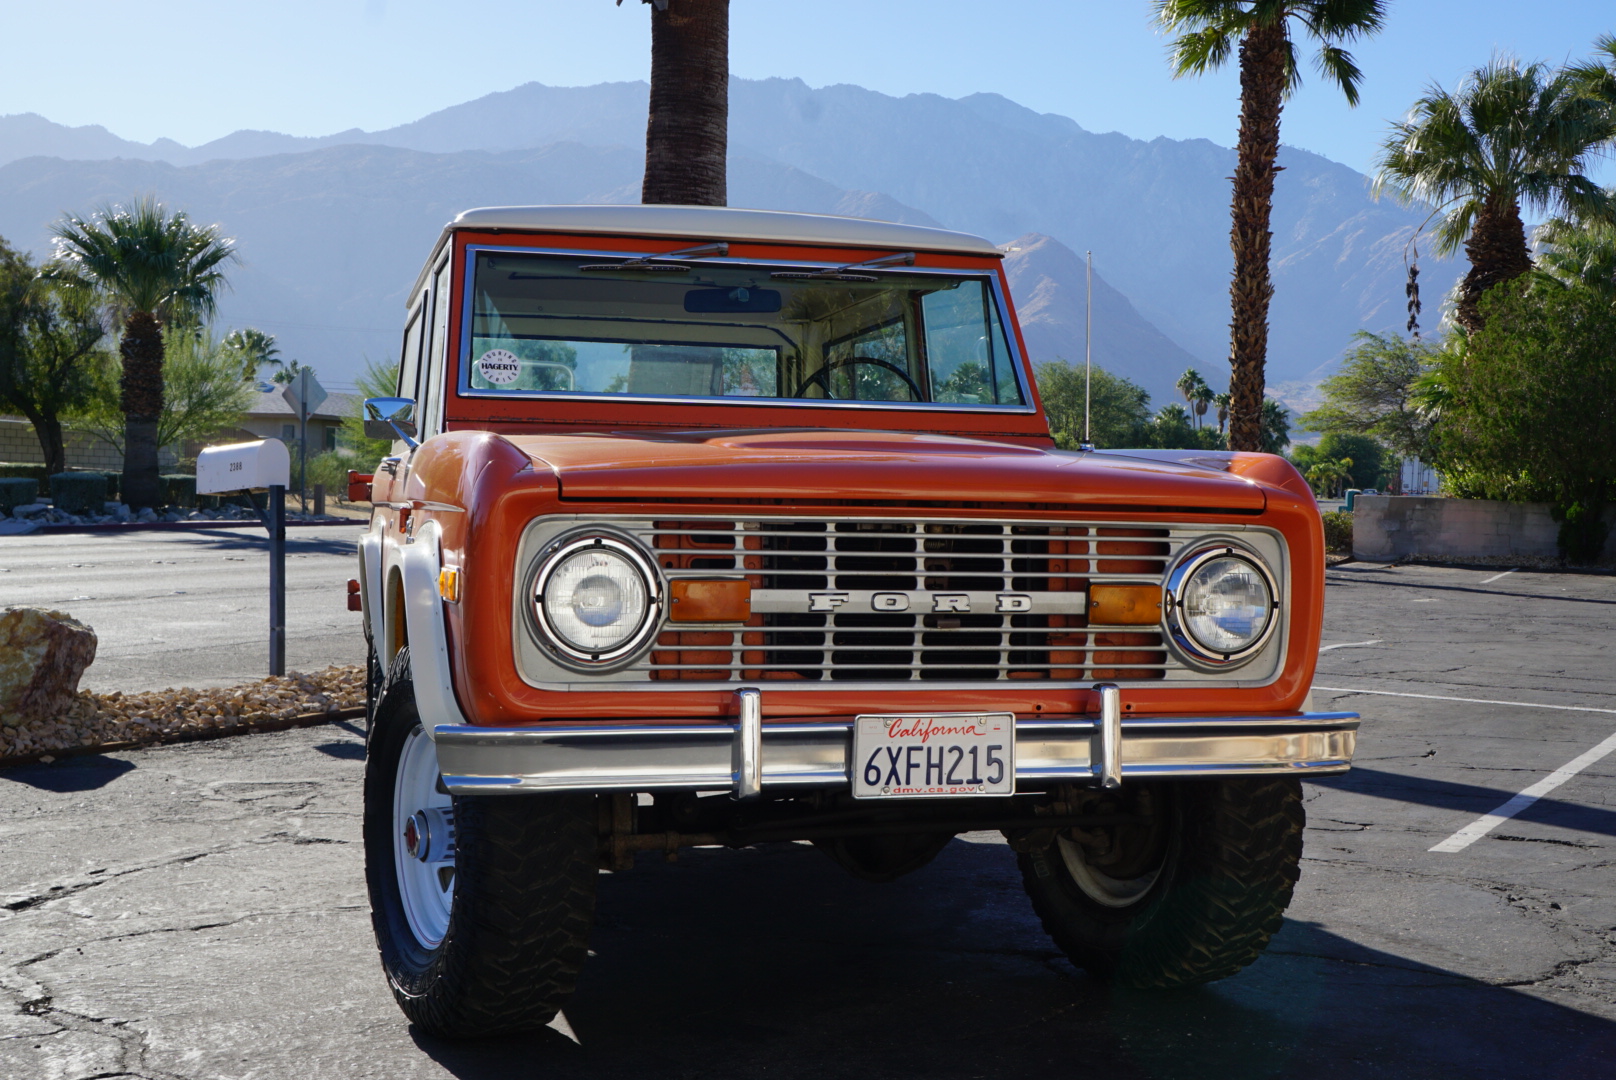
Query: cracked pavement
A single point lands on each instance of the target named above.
(198, 911)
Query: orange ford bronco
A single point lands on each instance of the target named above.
(719, 527)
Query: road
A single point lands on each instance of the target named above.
(190, 607)
(199, 911)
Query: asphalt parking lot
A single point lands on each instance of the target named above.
(199, 911)
(191, 607)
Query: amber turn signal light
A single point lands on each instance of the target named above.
(709, 601)
(1125, 605)
(354, 601)
(449, 584)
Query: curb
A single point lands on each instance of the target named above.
(255, 728)
(137, 526)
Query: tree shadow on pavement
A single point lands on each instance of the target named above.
(1470, 799)
(774, 962)
(86, 773)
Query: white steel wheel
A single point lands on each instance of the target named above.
(423, 840)
(1102, 888)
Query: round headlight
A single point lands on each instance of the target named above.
(594, 598)
(1223, 605)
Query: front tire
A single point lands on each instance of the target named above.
(481, 904)
(1191, 896)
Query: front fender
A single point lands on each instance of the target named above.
(428, 634)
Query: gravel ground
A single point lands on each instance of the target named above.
(164, 715)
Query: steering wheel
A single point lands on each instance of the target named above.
(822, 375)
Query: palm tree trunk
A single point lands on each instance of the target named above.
(1498, 252)
(142, 385)
(1262, 82)
(687, 134)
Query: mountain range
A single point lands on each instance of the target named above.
(333, 229)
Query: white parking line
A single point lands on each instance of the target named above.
(1495, 577)
(1467, 700)
(1349, 645)
(1488, 822)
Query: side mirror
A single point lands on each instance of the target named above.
(390, 418)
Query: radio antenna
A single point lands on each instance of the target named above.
(1088, 349)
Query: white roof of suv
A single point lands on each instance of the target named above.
(714, 223)
(723, 223)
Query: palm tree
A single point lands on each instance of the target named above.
(687, 132)
(255, 348)
(1276, 427)
(1582, 252)
(289, 371)
(1199, 403)
(1188, 386)
(1222, 402)
(1269, 72)
(1598, 76)
(1328, 477)
(1512, 134)
(154, 267)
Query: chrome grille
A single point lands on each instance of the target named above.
(922, 600)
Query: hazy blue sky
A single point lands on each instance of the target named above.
(194, 70)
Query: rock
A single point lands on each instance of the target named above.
(17, 527)
(173, 515)
(146, 514)
(117, 510)
(29, 511)
(43, 654)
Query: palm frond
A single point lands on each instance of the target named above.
(145, 258)
(1337, 65)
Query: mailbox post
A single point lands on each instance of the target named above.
(250, 467)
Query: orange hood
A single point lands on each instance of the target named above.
(818, 465)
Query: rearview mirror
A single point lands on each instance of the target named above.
(390, 418)
(743, 300)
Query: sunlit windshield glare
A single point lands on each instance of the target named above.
(543, 324)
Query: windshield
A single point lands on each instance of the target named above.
(544, 323)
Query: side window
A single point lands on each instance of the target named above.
(409, 363)
(433, 368)
(966, 349)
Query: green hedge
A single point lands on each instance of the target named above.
(1338, 532)
(17, 491)
(179, 489)
(78, 492)
(19, 469)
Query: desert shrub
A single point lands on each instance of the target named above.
(1529, 407)
(1338, 532)
(331, 469)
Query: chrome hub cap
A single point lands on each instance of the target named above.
(423, 840)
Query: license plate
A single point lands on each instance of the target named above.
(934, 755)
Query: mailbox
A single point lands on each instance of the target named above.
(245, 466)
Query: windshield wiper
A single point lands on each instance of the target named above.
(658, 262)
(845, 273)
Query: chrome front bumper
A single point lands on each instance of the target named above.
(749, 756)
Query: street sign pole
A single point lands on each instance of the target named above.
(277, 579)
(303, 446)
(304, 394)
